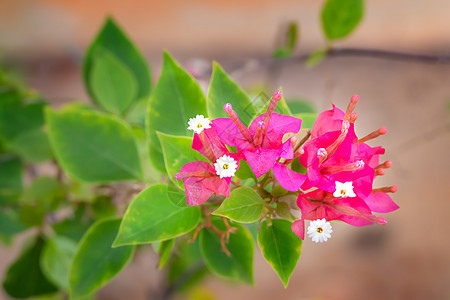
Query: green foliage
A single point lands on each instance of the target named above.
(280, 247)
(122, 55)
(223, 90)
(24, 277)
(10, 223)
(177, 152)
(113, 84)
(93, 147)
(308, 119)
(282, 107)
(316, 58)
(96, 262)
(103, 207)
(341, 17)
(289, 41)
(153, 216)
(56, 260)
(239, 265)
(244, 171)
(300, 106)
(244, 205)
(44, 191)
(165, 251)
(175, 98)
(10, 178)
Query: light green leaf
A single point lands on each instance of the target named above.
(282, 107)
(103, 207)
(244, 206)
(114, 40)
(44, 191)
(32, 145)
(152, 216)
(237, 266)
(280, 247)
(96, 262)
(165, 251)
(308, 119)
(298, 106)
(244, 171)
(113, 85)
(24, 277)
(341, 17)
(175, 98)
(316, 58)
(223, 90)
(177, 152)
(56, 260)
(93, 147)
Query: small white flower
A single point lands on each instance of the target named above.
(225, 166)
(344, 190)
(198, 123)
(319, 230)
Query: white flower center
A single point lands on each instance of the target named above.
(225, 166)
(198, 124)
(319, 230)
(344, 190)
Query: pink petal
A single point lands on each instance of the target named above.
(229, 133)
(298, 227)
(288, 179)
(329, 120)
(381, 203)
(216, 146)
(262, 160)
(286, 150)
(279, 125)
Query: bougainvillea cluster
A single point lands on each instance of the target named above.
(340, 167)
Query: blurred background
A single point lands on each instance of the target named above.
(44, 41)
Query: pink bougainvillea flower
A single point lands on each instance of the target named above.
(200, 178)
(320, 204)
(262, 143)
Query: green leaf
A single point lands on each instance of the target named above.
(93, 147)
(152, 216)
(103, 207)
(237, 266)
(56, 260)
(113, 85)
(280, 247)
(244, 206)
(177, 152)
(244, 171)
(24, 277)
(223, 90)
(32, 145)
(112, 39)
(175, 98)
(10, 223)
(282, 107)
(10, 178)
(44, 191)
(308, 119)
(340, 17)
(298, 106)
(316, 58)
(298, 167)
(284, 211)
(16, 117)
(292, 36)
(95, 262)
(76, 225)
(165, 251)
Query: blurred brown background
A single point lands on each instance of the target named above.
(409, 258)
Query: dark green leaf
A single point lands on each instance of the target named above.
(177, 152)
(152, 216)
(24, 277)
(114, 40)
(56, 260)
(75, 226)
(280, 247)
(10, 223)
(93, 147)
(341, 17)
(175, 98)
(223, 90)
(292, 36)
(96, 262)
(10, 178)
(32, 145)
(103, 207)
(237, 266)
(244, 205)
(112, 83)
